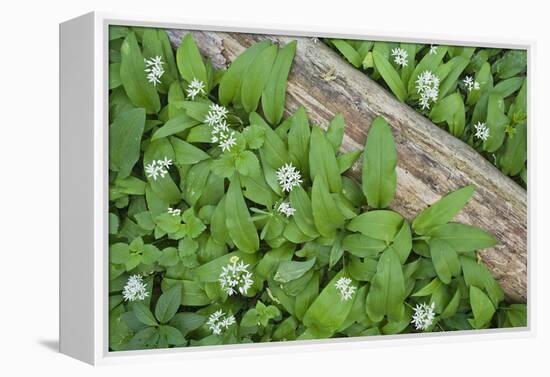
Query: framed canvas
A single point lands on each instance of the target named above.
(235, 190)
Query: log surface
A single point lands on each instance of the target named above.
(431, 162)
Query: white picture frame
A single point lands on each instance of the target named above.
(84, 194)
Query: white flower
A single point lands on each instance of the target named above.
(235, 277)
(423, 316)
(433, 49)
(286, 209)
(470, 84)
(158, 168)
(227, 141)
(219, 321)
(135, 289)
(195, 88)
(154, 70)
(346, 289)
(288, 177)
(427, 86)
(482, 131)
(220, 134)
(400, 56)
(174, 211)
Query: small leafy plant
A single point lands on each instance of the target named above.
(478, 94)
(228, 226)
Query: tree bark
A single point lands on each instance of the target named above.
(431, 162)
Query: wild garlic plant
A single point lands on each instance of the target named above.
(232, 223)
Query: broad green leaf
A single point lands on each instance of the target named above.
(348, 51)
(124, 141)
(274, 93)
(172, 335)
(452, 306)
(458, 65)
(346, 160)
(133, 76)
(322, 161)
(307, 296)
(512, 63)
(482, 308)
(298, 139)
(463, 238)
(291, 270)
(445, 260)
(443, 210)
(230, 84)
(514, 154)
(175, 125)
(387, 290)
(187, 154)
(168, 304)
(274, 149)
(380, 160)
(496, 122)
(163, 187)
(299, 200)
(189, 60)
(390, 75)
(402, 243)
(238, 221)
(363, 246)
(257, 190)
(327, 313)
(248, 164)
(210, 272)
(256, 78)
(381, 225)
(429, 62)
(326, 215)
(143, 314)
(335, 131)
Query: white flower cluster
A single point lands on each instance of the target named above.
(135, 289)
(288, 177)
(219, 321)
(158, 168)
(346, 289)
(286, 209)
(221, 134)
(174, 211)
(235, 277)
(470, 84)
(433, 49)
(427, 85)
(423, 316)
(154, 69)
(482, 131)
(400, 56)
(195, 88)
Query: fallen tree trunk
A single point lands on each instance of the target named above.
(431, 162)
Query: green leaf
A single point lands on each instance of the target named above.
(185, 153)
(175, 125)
(387, 291)
(327, 313)
(452, 307)
(238, 221)
(143, 314)
(274, 93)
(335, 131)
(326, 215)
(463, 238)
(348, 51)
(133, 76)
(247, 164)
(496, 122)
(298, 139)
(230, 84)
(256, 78)
(381, 225)
(362, 246)
(168, 304)
(299, 200)
(482, 308)
(442, 211)
(346, 160)
(291, 270)
(390, 75)
(451, 111)
(173, 336)
(274, 149)
(322, 161)
(428, 63)
(124, 141)
(380, 161)
(189, 60)
(514, 154)
(445, 260)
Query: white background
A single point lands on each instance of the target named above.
(29, 184)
